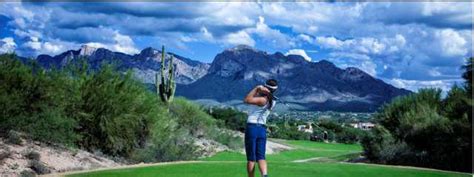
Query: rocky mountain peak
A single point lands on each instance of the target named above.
(241, 47)
(325, 63)
(354, 74)
(87, 50)
(354, 70)
(296, 58)
(149, 51)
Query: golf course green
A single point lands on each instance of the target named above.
(306, 159)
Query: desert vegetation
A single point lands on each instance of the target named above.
(425, 129)
(99, 110)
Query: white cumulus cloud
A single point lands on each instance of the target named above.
(299, 52)
(415, 85)
(7, 45)
(122, 43)
(241, 37)
(451, 43)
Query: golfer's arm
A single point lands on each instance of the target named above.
(252, 99)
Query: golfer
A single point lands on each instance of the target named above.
(256, 130)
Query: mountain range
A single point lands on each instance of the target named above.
(144, 65)
(303, 85)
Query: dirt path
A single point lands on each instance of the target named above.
(307, 160)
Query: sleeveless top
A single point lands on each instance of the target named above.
(260, 115)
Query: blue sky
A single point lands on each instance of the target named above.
(410, 45)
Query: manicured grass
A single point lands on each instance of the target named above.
(232, 164)
(323, 146)
(285, 156)
(303, 150)
(276, 169)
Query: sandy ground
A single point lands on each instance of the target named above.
(273, 146)
(56, 159)
(209, 147)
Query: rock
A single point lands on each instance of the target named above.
(52, 158)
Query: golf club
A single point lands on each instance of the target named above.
(284, 102)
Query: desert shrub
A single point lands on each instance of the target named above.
(349, 135)
(455, 105)
(375, 141)
(27, 173)
(52, 126)
(39, 167)
(226, 138)
(14, 137)
(318, 134)
(330, 125)
(31, 99)
(171, 146)
(229, 118)
(95, 109)
(391, 114)
(33, 155)
(286, 131)
(102, 109)
(191, 117)
(422, 129)
(115, 113)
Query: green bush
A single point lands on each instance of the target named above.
(330, 125)
(167, 146)
(115, 112)
(287, 130)
(375, 141)
(51, 125)
(318, 134)
(33, 101)
(191, 117)
(229, 118)
(422, 129)
(349, 135)
(102, 110)
(226, 138)
(14, 137)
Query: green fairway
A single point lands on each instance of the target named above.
(229, 164)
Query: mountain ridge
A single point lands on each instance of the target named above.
(311, 85)
(315, 86)
(144, 64)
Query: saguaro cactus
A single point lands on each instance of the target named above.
(166, 87)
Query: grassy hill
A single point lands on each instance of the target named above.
(321, 160)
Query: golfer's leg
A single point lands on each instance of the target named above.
(262, 166)
(261, 145)
(250, 150)
(251, 168)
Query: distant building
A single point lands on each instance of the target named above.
(363, 125)
(305, 128)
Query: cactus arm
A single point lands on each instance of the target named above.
(171, 84)
(167, 86)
